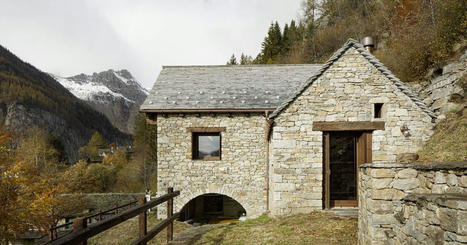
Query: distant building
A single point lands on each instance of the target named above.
(280, 138)
(104, 152)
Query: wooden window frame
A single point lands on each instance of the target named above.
(194, 143)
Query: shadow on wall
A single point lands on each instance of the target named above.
(211, 208)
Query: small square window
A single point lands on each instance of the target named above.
(378, 110)
(207, 145)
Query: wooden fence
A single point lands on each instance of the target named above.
(54, 231)
(82, 232)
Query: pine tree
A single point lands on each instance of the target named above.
(232, 61)
(293, 34)
(286, 43)
(271, 46)
(245, 59)
(95, 143)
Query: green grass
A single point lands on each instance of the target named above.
(313, 228)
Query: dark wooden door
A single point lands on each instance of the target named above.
(342, 153)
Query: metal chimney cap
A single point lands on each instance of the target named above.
(368, 41)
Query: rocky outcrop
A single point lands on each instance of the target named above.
(445, 90)
(19, 116)
(116, 94)
(22, 117)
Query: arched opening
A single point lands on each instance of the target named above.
(211, 208)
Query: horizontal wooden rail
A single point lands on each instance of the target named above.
(154, 231)
(94, 229)
(110, 210)
(53, 230)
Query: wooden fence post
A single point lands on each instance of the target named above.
(143, 219)
(116, 208)
(51, 233)
(78, 225)
(170, 211)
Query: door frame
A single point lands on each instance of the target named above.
(363, 155)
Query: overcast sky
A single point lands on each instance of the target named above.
(67, 37)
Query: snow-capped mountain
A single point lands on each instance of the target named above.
(114, 93)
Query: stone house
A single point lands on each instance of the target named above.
(282, 139)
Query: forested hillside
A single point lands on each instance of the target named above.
(29, 97)
(411, 36)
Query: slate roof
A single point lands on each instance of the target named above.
(373, 60)
(273, 87)
(225, 87)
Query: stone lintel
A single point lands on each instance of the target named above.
(437, 198)
(421, 166)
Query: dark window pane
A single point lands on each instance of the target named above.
(342, 164)
(378, 110)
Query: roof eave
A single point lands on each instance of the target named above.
(209, 110)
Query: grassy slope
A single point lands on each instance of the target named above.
(127, 232)
(313, 228)
(449, 142)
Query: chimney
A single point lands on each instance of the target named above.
(368, 44)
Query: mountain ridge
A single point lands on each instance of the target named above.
(115, 93)
(30, 97)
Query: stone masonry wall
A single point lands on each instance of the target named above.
(241, 174)
(344, 92)
(413, 203)
(432, 219)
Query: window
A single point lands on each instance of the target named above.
(207, 145)
(378, 110)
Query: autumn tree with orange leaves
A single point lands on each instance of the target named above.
(29, 185)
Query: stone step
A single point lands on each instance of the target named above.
(349, 212)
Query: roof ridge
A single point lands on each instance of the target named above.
(235, 66)
(373, 60)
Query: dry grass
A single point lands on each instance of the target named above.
(313, 228)
(127, 232)
(449, 142)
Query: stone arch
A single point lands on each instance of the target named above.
(211, 206)
(241, 196)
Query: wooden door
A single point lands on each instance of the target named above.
(342, 153)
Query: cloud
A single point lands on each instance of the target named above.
(70, 37)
